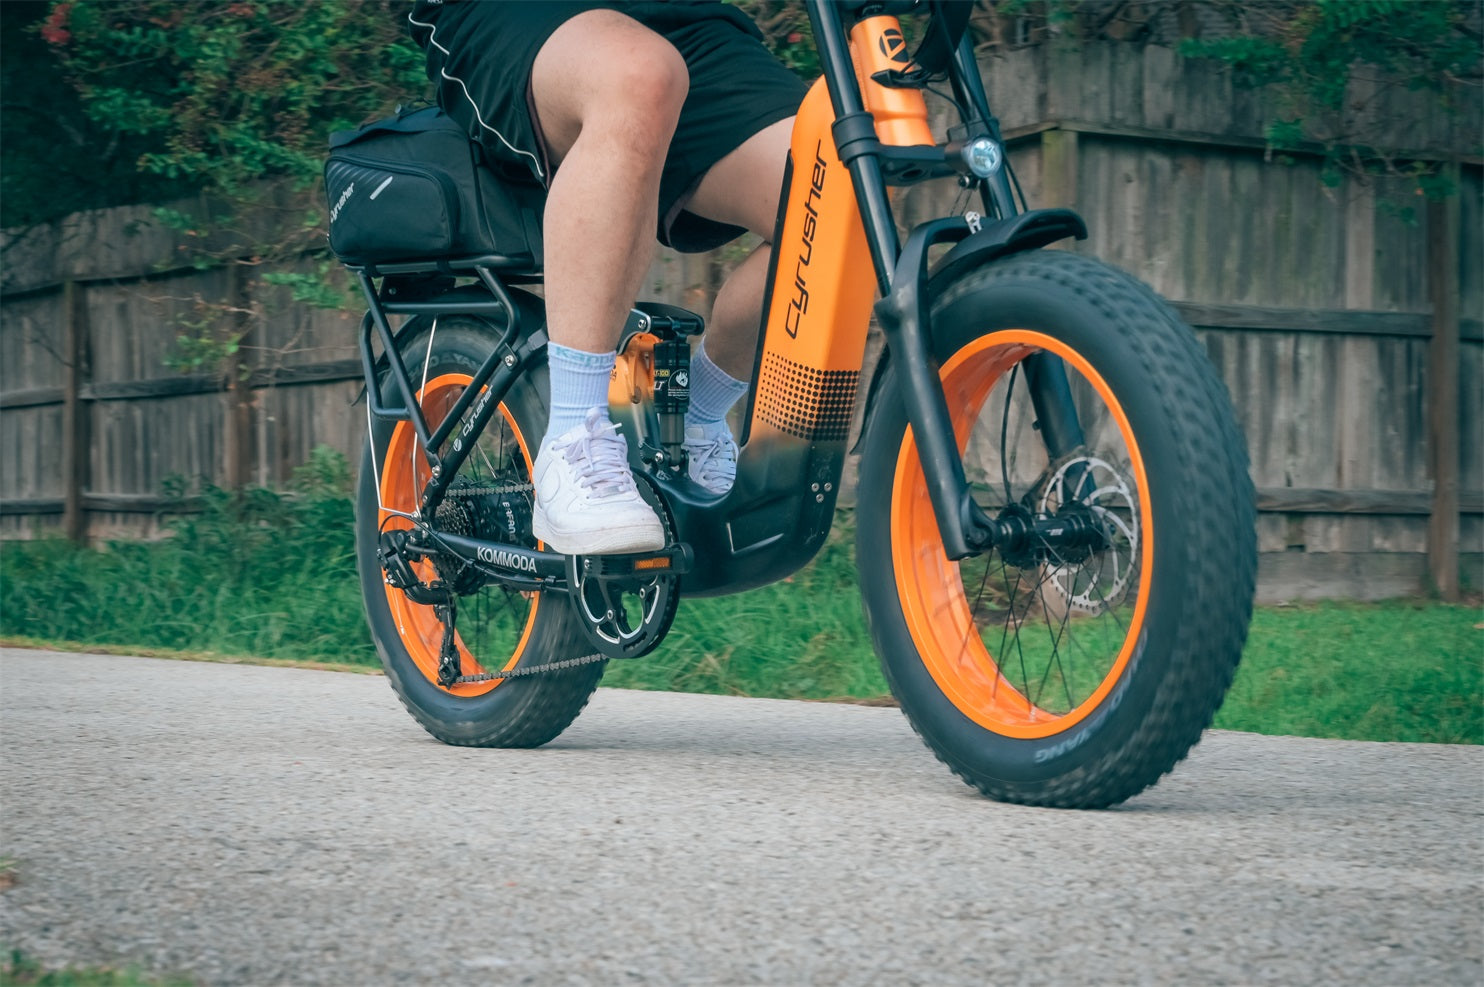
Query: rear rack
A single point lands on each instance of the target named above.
(511, 266)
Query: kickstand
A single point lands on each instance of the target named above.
(448, 653)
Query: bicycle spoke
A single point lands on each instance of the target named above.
(1073, 595)
(1004, 428)
(1055, 651)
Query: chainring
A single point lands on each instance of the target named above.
(625, 610)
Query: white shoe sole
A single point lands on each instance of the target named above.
(608, 540)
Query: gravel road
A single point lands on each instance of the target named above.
(251, 825)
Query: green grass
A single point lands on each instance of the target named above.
(803, 638)
(265, 575)
(1399, 670)
(21, 971)
(1407, 670)
(274, 578)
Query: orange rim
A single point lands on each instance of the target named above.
(404, 474)
(932, 592)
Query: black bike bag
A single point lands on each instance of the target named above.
(412, 187)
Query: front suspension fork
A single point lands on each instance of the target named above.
(905, 319)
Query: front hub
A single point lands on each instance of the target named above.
(1068, 537)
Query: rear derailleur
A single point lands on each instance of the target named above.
(393, 553)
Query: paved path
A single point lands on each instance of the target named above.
(249, 825)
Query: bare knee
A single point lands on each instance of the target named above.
(646, 92)
(605, 76)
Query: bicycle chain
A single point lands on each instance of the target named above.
(509, 488)
(516, 673)
(519, 673)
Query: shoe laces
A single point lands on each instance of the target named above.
(600, 457)
(713, 461)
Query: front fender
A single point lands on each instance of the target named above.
(1003, 237)
(1000, 238)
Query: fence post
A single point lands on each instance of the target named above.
(76, 413)
(239, 439)
(1443, 231)
(1059, 169)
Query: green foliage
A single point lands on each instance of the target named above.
(786, 31)
(325, 478)
(316, 289)
(160, 99)
(258, 573)
(1310, 53)
(231, 99)
(1400, 670)
(54, 160)
(200, 350)
(207, 338)
(788, 34)
(1314, 49)
(804, 638)
(20, 970)
(230, 92)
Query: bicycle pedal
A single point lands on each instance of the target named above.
(673, 561)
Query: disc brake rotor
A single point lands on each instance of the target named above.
(1094, 582)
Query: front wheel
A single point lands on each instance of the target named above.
(1053, 673)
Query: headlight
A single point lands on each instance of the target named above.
(983, 156)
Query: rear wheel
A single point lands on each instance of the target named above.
(1054, 674)
(498, 628)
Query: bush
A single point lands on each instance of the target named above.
(262, 573)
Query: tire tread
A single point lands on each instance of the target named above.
(1219, 561)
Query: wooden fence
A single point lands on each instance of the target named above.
(1348, 331)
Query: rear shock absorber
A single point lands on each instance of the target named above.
(672, 394)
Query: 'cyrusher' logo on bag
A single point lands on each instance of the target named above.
(344, 197)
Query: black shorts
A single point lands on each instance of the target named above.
(480, 56)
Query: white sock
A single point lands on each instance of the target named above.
(713, 391)
(579, 383)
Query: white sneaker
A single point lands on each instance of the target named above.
(712, 455)
(586, 500)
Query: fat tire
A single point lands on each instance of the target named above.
(1205, 554)
(522, 712)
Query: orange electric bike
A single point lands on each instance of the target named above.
(1054, 520)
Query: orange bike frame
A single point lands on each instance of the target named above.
(822, 284)
(861, 127)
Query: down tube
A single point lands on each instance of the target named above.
(809, 360)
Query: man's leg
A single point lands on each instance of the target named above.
(742, 189)
(607, 93)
